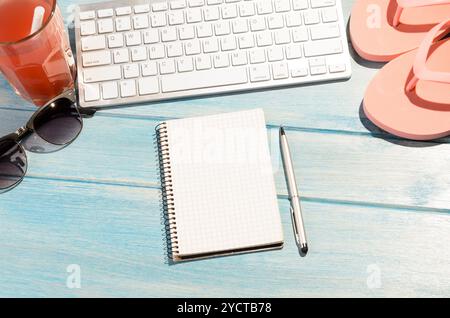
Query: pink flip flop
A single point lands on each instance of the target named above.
(381, 30)
(410, 96)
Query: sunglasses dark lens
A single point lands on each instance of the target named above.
(13, 164)
(59, 123)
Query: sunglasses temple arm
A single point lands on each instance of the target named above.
(87, 113)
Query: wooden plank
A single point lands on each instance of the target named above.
(115, 234)
(336, 166)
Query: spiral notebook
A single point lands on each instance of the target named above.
(218, 185)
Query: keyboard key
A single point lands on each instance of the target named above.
(264, 38)
(259, 73)
(133, 38)
(203, 62)
(222, 28)
(317, 66)
(91, 92)
(275, 54)
(246, 41)
(93, 43)
(148, 85)
(257, 56)
(192, 47)
(210, 45)
(205, 79)
(322, 3)
(175, 49)
(221, 60)
(176, 17)
(239, 58)
(229, 11)
(169, 34)
(115, 40)
(323, 47)
(141, 8)
(149, 68)
(123, 24)
(110, 90)
(105, 26)
(186, 32)
(299, 71)
(211, 13)
(167, 67)
(87, 15)
(194, 15)
(282, 36)
(121, 56)
(102, 74)
(282, 5)
(280, 70)
(239, 26)
(196, 3)
(300, 4)
(264, 7)
(178, 4)
(257, 24)
(105, 13)
(151, 36)
(185, 65)
(293, 19)
(300, 34)
(228, 43)
(157, 51)
(293, 51)
(311, 17)
(128, 88)
(247, 9)
(140, 21)
(158, 19)
(96, 58)
(131, 71)
(329, 15)
(160, 6)
(88, 28)
(275, 22)
(336, 68)
(123, 11)
(138, 54)
(204, 30)
(325, 31)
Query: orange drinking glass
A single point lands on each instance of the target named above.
(35, 54)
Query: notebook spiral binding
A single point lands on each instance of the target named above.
(167, 186)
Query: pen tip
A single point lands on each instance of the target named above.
(304, 249)
(282, 131)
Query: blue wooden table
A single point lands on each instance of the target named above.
(376, 208)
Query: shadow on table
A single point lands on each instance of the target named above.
(381, 134)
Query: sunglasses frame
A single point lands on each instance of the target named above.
(29, 129)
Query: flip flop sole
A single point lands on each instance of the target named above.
(422, 114)
(375, 39)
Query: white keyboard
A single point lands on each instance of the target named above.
(150, 50)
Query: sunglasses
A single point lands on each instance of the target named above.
(53, 127)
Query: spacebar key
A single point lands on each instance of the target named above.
(204, 79)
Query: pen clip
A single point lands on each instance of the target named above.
(294, 223)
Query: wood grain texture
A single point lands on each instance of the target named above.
(114, 234)
(369, 203)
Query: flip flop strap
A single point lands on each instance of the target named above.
(403, 4)
(420, 69)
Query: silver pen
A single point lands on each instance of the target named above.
(294, 198)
